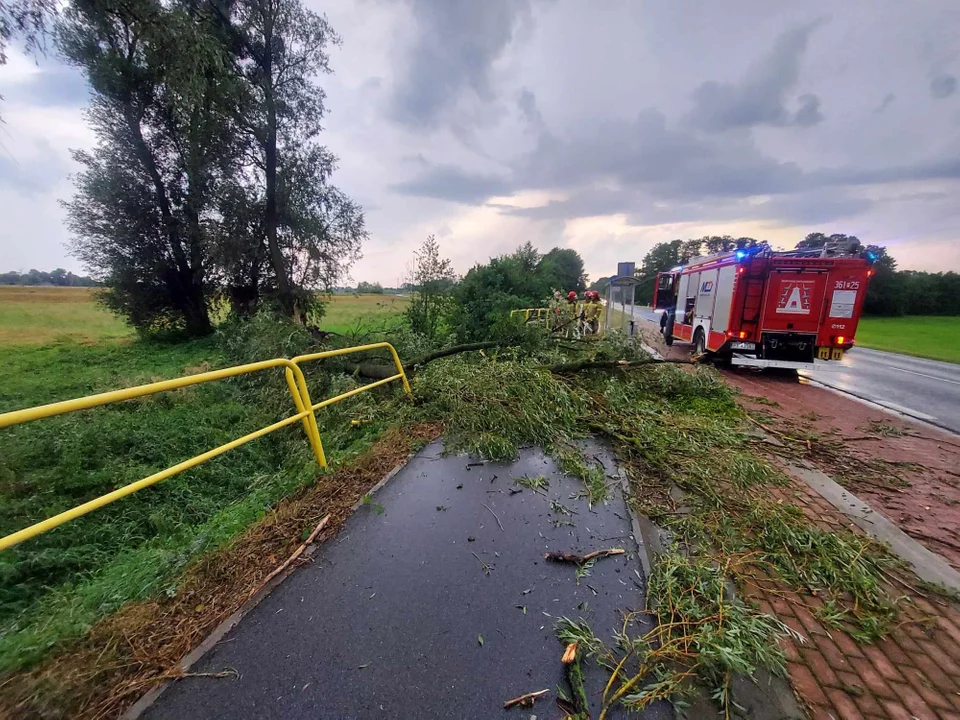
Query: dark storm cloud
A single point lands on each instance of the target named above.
(937, 169)
(670, 162)
(643, 154)
(943, 86)
(885, 103)
(809, 113)
(811, 208)
(457, 42)
(527, 103)
(761, 97)
(447, 182)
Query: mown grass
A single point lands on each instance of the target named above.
(43, 315)
(937, 338)
(357, 314)
(53, 587)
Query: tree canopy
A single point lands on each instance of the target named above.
(207, 179)
(522, 279)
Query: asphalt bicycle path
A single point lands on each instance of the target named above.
(434, 601)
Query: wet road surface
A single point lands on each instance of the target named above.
(923, 389)
(926, 390)
(386, 620)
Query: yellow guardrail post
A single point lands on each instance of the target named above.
(297, 384)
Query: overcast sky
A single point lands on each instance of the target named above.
(603, 126)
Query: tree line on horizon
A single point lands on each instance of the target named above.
(58, 277)
(892, 292)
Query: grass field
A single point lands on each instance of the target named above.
(350, 314)
(57, 344)
(937, 338)
(45, 315)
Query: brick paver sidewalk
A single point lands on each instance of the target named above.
(913, 673)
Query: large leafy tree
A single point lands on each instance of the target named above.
(885, 294)
(488, 292)
(207, 177)
(142, 207)
(563, 268)
(312, 231)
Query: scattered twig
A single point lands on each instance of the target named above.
(581, 559)
(495, 515)
(178, 675)
(525, 700)
(486, 568)
(296, 553)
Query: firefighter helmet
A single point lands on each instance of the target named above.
(572, 295)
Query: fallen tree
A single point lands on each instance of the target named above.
(380, 371)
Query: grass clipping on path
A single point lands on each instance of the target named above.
(701, 631)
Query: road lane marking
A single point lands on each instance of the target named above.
(882, 404)
(906, 411)
(932, 377)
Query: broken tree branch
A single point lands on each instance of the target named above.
(495, 515)
(581, 559)
(297, 553)
(453, 350)
(525, 700)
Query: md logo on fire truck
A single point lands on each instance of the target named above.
(795, 297)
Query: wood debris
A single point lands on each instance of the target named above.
(525, 700)
(581, 559)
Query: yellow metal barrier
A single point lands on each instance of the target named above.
(401, 375)
(538, 313)
(296, 383)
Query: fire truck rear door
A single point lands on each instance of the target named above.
(794, 300)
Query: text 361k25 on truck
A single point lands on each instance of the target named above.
(764, 308)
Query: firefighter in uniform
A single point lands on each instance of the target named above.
(555, 311)
(591, 312)
(571, 315)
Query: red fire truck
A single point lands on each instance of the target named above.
(764, 308)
